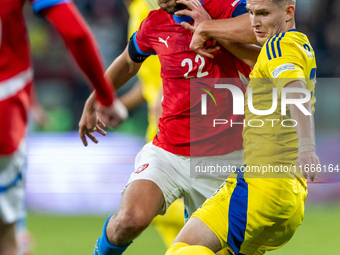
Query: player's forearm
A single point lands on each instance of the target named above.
(236, 29)
(78, 38)
(305, 127)
(247, 53)
(122, 69)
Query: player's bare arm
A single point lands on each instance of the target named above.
(236, 29)
(122, 69)
(119, 72)
(78, 37)
(247, 53)
(305, 131)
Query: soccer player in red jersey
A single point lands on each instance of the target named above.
(162, 168)
(16, 78)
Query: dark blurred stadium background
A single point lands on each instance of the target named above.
(70, 188)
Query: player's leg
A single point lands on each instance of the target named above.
(141, 202)
(221, 221)
(195, 233)
(186, 249)
(169, 225)
(11, 198)
(276, 209)
(150, 191)
(205, 186)
(8, 242)
(24, 238)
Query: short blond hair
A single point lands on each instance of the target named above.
(282, 2)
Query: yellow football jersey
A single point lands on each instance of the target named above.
(272, 139)
(149, 73)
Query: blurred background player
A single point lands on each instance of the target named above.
(16, 79)
(149, 87)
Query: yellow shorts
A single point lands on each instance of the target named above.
(254, 215)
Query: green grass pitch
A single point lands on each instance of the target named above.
(55, 235)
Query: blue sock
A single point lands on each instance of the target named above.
(104, 247)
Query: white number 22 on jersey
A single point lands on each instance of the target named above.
(198, 59)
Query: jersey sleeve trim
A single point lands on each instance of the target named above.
(138, 49)
(240, 8)
(39, 5)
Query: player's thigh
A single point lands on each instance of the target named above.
(142, 196)
(225, 213)
(275, 210)
(162, 172)
(203, 188)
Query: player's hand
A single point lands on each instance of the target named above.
(199, 44)
(114, 114)
(199, 14)
(195, 11)
(307, 163)
(89, 122)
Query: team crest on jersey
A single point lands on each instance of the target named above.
(141, 168)
(283, 68)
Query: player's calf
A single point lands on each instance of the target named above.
(119, 231)
(105, 247)
(142, 201)
(127, 225)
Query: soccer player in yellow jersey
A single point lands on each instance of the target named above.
(258, 211)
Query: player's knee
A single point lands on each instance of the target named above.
(134, 221)
(185, 249)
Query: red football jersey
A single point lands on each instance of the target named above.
(160, 34)
(15, 71)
